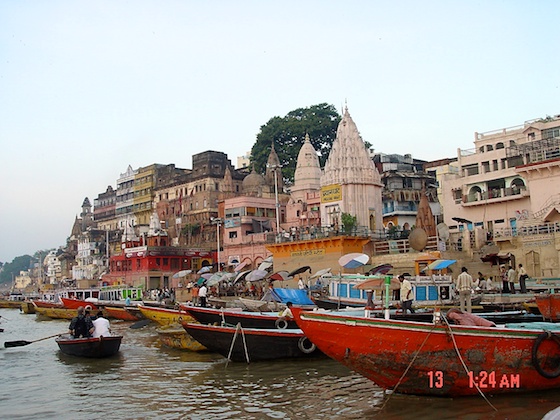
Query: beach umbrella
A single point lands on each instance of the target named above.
(353, 260)
(320, 273)
(379, 269)
(241, 275)
(256, 275)
(299, 271)
(378, 283)
(279, 276)
(240, 266)
(181, 273)
(204, 269)
(215, 278)
(264, 265)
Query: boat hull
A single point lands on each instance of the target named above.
(261, 344)
(549, 306)
(56, 313)
(71, 303)
(247, 319)
(27, 307)
(421, 358)
(90, 347)
(164, 316)
(175, 336)
(123, 313)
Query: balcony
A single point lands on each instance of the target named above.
(494, 196)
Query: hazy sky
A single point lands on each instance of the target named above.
(88, 88)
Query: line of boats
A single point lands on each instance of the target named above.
(426, 353)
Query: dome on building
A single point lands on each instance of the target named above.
(253, 183)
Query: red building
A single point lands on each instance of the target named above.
(151, 262)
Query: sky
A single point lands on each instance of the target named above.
(89, 88)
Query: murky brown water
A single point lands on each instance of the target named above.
(146, 381)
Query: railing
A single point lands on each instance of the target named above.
(540, 229)
(552, 201)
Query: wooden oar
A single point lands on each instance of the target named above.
(20, 343)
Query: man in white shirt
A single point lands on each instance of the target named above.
(202, 292)
(406, 295)
(101, 325)
(464, 287)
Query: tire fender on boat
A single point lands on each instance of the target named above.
(306, 346)
(534, 355)
(281, 323)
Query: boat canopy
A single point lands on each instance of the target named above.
(296, 296)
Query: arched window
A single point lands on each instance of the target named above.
(499, 145)
(474, 193)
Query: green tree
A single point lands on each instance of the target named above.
(18, 264)
(288, 134)
(349, 222)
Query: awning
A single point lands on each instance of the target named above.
(439, 265)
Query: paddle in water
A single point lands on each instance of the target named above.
(21, 343)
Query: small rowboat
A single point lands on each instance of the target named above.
(89, 347)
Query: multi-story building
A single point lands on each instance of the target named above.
(404, 181)
(187, 204)
(490, 192)
(104, 207)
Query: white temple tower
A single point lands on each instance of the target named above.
(350, 182)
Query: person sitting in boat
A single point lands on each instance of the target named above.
(81, 326)
(102, 328)
(287, 313)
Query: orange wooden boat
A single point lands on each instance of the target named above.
(549, 306)
(422, 358)
(122, 312)
(71, 303)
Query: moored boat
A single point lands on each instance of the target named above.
(89, 347)
(125, 313)
(549, 306)
(56, 312)
(233, 317)
(27, 307)
(72, 303)
(165, 316)
(175, 336)
(424, 358)
(252, 344)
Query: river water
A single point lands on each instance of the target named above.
(148, 381)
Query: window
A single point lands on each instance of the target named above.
(499, 145)
(233, 234)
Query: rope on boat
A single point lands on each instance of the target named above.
(407, 368)
(237, 329)
(465, 365)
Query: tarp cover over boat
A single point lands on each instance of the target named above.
(296, 296)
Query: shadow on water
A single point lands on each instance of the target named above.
(92, 366)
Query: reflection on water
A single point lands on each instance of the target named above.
(148, 381)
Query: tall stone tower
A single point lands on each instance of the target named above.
(350, 182)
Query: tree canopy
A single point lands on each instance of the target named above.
(18, 264)
(288, 134)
